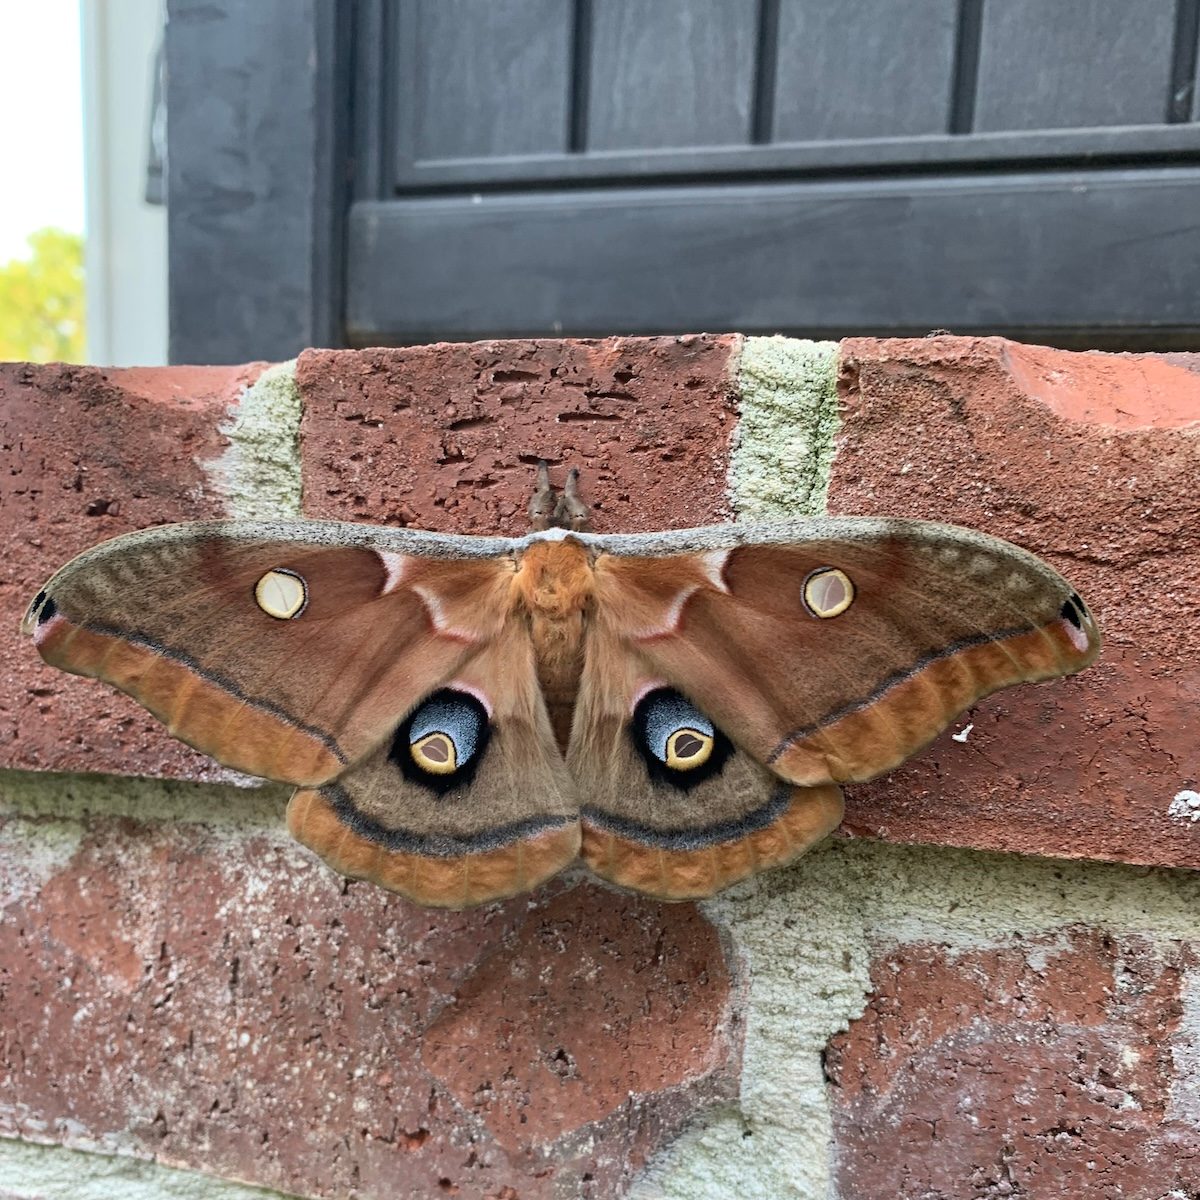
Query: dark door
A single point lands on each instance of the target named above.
(546, 167)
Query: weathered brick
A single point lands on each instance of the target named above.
(268, 1023)
(1089, 460)
(446, 437)
(209, 995)
(86, 454)
(205, 994)
(544, 1060)
(1042, 1068)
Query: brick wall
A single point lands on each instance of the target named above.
(986, 986)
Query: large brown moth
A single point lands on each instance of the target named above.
(463, 717)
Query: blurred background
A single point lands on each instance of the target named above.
(227, 180)
(83, 230)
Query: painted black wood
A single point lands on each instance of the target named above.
(1183, 103)
(842, 73)
(401, 170)
(690, 89)
(671, 73)
(482, 80)
(1046, 253)
(257, 119)
(1092, 64)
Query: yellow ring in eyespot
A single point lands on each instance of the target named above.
(281, 594)
(688, 748)
(436, 754)
(828, 592)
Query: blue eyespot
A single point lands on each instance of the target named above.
(668, 717)
(678, 743)
(442, 740)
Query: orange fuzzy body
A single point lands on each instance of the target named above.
(555, 587)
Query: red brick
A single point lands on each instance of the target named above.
(217, 1001)
(221, 1002)
(446, 437)
(533, 1050)
(86, 454)
(1040, 1069)
(1089, 461)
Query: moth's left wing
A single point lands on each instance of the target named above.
(285, 649)
(830, 650)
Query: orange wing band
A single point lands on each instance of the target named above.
(893, 725)
(691, 874)
(242, 734)
(437, 881)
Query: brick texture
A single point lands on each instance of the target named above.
(228, 1004)
(202, 992)
(87, 454)
(269, 1022)
(1089, 460)
(446, 437)
(1044, 1068)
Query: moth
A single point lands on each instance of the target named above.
(463, 717)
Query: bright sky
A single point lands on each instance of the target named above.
(41, 120)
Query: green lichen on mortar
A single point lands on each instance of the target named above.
(806, 937)
(259, 474)
(70, 801)
(788, 418)
(53, 1171)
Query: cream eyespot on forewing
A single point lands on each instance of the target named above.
(828, 592)
(281, 593)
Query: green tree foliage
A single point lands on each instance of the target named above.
(41, 300)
